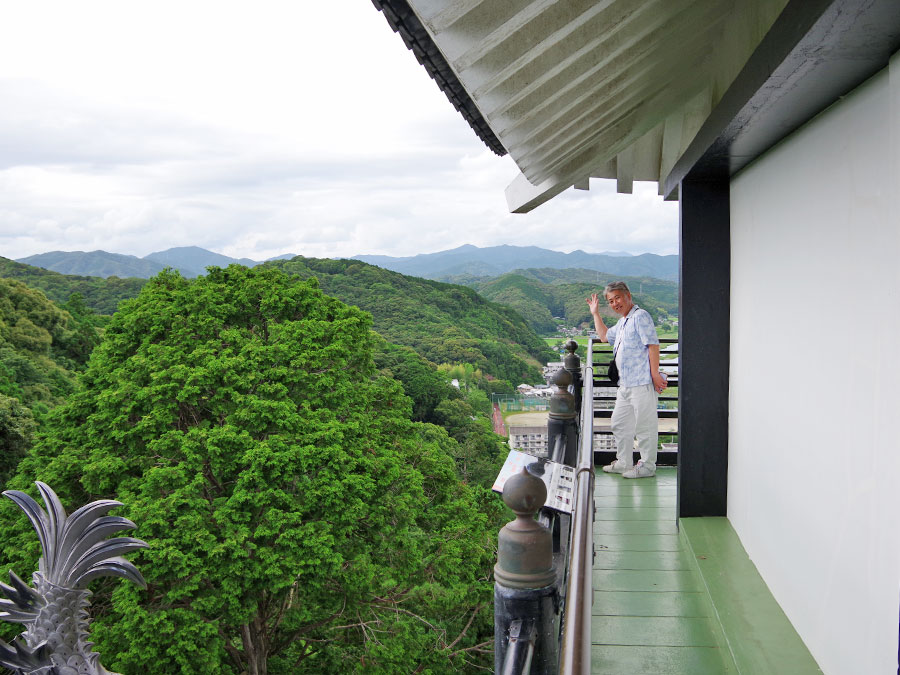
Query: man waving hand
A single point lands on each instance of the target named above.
(636, 348)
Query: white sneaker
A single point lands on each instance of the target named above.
(639, 471)
(615, 467)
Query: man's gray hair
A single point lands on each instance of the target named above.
(616, 286)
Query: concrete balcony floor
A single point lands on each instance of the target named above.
(680, 602)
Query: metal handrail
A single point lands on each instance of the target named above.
(575, 648)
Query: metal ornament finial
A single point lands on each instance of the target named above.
(54, 612)
(562, 402)
(525, 547)
(572, 361)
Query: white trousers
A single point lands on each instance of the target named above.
(635, 417)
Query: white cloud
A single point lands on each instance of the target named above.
(254, 131)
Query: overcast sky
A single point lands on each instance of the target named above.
(256, 129)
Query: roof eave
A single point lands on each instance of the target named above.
(404, 21)
(816, 52)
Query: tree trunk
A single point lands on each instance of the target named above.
(255, 647)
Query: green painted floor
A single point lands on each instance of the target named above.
(651, 613)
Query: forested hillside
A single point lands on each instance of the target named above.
(100, 295)
(444, 323)
(293, 506)
(538, 295)
(42, 346)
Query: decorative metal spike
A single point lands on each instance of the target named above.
(78, 541)
(35, 513)
(75, 552)
(81, 521)
(98, 554)
(21, 604)
(56, 517)
(115, 567)
(20, 657)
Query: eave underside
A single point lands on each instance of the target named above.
(587, 88)
(645, 91)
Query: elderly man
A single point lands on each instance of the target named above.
(636, 348)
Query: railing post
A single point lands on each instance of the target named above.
(572, 363)
(525, 580)
(562, 429)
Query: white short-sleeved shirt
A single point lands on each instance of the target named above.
(630, 337)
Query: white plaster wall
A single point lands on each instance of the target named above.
(814, 455)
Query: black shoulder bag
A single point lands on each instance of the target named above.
(612, 372)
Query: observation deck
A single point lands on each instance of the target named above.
(678, 597)
(645, 590)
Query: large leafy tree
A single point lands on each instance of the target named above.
(298, 520)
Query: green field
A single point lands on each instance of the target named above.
(558, 341)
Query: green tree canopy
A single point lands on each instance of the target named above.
(298, 520)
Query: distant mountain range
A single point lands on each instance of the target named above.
(465, 261)
(493, 261)
(94, 264)
(190, 261)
